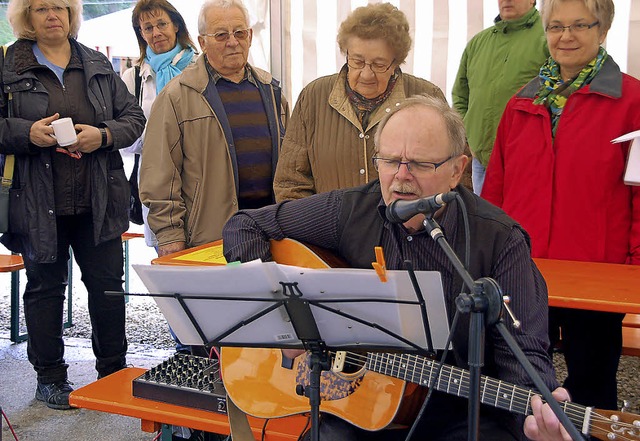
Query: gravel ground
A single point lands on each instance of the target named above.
(147, 326)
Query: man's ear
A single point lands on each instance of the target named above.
(201, 43)
(458, 164)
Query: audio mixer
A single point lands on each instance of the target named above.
(185, 380)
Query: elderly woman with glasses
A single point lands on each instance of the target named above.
(66, 194)
(166, 49)
(329, 139)
(555, 170)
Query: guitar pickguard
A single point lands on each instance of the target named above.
(333, 385)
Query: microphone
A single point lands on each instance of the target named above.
(401, 211)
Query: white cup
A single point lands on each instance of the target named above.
(64, 132)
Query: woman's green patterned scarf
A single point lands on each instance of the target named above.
(554, 92)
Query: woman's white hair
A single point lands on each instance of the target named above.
(18, 16)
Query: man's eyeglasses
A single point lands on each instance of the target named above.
(416, 168)
(576, 27)
(58, 10)
(161, 25)
(240, 34)
(358, 63)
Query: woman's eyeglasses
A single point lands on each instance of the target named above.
(576, 27)
(43, 11)
(161, 25)
(359, 64)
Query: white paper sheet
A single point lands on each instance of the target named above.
(261, 280)
(632, 171)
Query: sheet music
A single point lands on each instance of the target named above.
(261, 280)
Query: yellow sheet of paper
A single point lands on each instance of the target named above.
(209, 255)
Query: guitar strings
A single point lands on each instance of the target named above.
(491, 387)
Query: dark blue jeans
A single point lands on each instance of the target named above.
(102, 268)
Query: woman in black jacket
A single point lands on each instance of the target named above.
(73, 196)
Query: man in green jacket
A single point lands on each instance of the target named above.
(495, 64)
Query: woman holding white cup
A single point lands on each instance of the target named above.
(64, 132)
(63, 196)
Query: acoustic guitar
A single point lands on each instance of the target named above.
(375, 390)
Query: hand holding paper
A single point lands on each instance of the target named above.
(632, 172)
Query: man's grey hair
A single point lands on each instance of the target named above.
(224, 4)
(452, 120)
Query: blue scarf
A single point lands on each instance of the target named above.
(161, 64)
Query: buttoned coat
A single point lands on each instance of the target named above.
(32, 209)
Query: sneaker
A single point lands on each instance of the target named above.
(54, 395)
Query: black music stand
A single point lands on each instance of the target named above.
(318, 310)
(485, 303)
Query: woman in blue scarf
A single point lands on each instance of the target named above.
(166, 48)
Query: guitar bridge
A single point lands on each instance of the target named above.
(338, 361)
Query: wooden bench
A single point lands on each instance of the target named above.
(13, 263)
(631, 341)
(126, 237)
(631, 321)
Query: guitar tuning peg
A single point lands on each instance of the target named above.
(625, 406)
(505, 301)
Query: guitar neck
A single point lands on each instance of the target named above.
(456, 381)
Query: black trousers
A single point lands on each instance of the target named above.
(592, 345)
(102, 268)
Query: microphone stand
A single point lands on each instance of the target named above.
(485, 307)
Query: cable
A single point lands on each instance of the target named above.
(8, 424)
(305, 429)
(264, 428)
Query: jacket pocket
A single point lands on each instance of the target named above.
(116, 218)
(117, 193)
(193, 213)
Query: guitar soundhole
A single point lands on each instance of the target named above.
(351, 367)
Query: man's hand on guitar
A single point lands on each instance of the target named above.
(543, 425)
(292, 353)
(288, 355)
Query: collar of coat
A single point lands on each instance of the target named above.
(608, 82)
(196, 76)
(21, 59)
(527, 21)
(339, 100)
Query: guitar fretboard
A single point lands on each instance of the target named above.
(456, 381)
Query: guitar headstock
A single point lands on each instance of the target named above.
(613, 424)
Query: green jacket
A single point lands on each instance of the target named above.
(496, 63)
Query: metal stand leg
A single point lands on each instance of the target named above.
(165, 432)
(126, 269)
(69, 321)
(15, 335)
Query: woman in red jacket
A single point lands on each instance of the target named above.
(555, 170)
